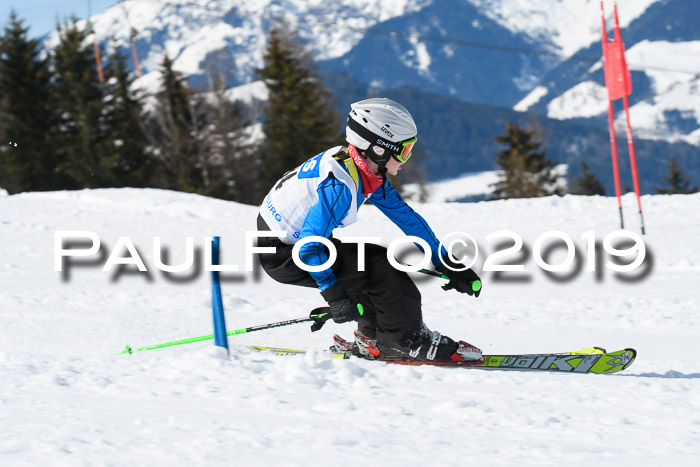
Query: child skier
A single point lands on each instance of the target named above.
(326, 192)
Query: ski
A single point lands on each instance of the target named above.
(603, 363)
(591, 360)
(286, 352)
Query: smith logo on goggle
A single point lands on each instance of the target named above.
(390, 146)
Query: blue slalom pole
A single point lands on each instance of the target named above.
(220, 338)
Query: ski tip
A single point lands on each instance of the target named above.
(633, 355)
(614, 362)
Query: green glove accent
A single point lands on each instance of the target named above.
(361, 309)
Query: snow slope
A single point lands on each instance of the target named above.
(64, 400)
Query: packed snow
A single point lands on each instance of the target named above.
(66, 400)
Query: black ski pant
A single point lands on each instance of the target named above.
(391, 301)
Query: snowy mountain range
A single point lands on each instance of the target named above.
(505, 53)
(464, 68)
(663, 52)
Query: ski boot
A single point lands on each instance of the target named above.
(438, 348)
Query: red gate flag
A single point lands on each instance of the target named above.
(617, 75)
(619, 85)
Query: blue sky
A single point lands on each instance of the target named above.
(41, 15)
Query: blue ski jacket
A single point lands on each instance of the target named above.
(335, 199)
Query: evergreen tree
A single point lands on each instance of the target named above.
(124, 148)
(174, 128)
(300, 120)
(198, 139)
(25, 117)
(678, 183)
(231, 162)
(527, 171)
(78, 101)
(587, 183)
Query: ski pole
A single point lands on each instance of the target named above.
(319, 316)
(476, 285)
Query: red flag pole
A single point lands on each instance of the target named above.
(137, 65)
(96, 49)
(611, 120)
(630, 136)
(98, 62)
(132, 36)
(616, 169)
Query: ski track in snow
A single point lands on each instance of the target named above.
(65, 400)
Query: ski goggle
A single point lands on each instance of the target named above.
(406, 148)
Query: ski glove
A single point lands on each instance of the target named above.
(462, 281)
(341, 307)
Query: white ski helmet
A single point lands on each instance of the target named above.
(383, 128)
